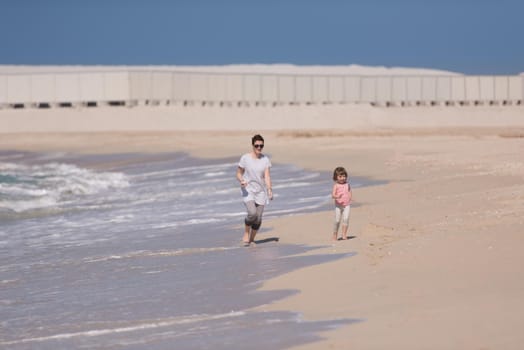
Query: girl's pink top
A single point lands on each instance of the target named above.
(342, 194)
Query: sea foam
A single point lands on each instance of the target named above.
(28, 187)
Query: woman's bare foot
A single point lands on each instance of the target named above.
(246, 238)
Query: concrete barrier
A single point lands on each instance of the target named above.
(174, 87)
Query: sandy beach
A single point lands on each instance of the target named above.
(438, 262)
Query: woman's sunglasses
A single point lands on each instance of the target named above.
(258, 146)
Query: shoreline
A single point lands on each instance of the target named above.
(437, 261)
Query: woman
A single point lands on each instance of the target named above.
(255, 181)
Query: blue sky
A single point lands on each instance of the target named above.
(466, 36)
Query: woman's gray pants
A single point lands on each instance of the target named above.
(254, 214)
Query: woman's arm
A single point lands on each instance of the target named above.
(267, 178)
(240, 176)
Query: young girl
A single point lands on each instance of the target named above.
(342, 195)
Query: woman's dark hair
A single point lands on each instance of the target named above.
(255, 138)
(339, 171)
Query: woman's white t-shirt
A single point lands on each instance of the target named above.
(254, 170)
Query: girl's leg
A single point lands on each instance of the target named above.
(345, 222)
(336, 223)
(344, 232)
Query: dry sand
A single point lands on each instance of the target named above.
(438, 261)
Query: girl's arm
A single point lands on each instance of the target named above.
(267, 178)
(350, 193)
(334, 192)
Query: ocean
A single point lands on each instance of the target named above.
(137, 251)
